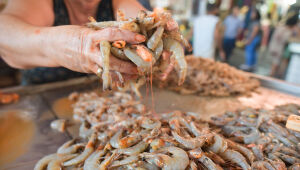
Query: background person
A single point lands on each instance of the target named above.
(208, 34)
(233, 28)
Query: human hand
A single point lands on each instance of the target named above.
(77, 48)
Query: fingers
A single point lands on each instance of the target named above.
(114, 34)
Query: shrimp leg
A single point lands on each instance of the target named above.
(105, 54)
(177, 53)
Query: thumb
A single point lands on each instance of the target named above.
(114, 34)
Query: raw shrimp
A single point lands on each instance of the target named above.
(107, 161)
(251, 137)
(145, 53)
(92, 162)
(153, 41)
(179, 37)
(177, 53)
(288, 151)
(257, 165)
(199, 155)
(287, 158)
(142, 65)
(190, 143)
(277, 163)
(236, 157)
(295, 166)
(243, 150)
(147, 123)
(138, 148)
(257, 151)
(69, 147)
(192, 165)
(130, 140)
(115, 140)
(105, 54)
(127, 25)
(59, 125)
(158, 50)
(89, 148)
(56, 164)
(219, 146)
(84, 131)
(157, 143)
(216, 158)
(179, 159)
(119, 53)
(43, 163)
(125, 161)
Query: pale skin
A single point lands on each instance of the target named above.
(28, 39)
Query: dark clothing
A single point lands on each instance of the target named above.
(44, 75)
(228, 46)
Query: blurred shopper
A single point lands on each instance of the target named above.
(253, 37)
(233, 28)
(278, 43)
(208, 34)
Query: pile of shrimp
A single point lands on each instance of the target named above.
(164, 43)
(209, 78)
(117, 132)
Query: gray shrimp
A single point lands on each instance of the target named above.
(216, 158)
(287, 158)
(219, 146)
(119, 53)
(257, 151)
(176, 35)
(131, 54)
(190, 143)
(89, 149)
(251, 137)
(138, 148)
(92, 162)
(295, 166)
(199, 155)
(125, 161)
(153, 41)
(158, 50)
(178, 160)
(56, 164)
(69, 147)
(147, 123)
(43, 163)
(178, 54)
(236, 157)
(288, 151)
(105, 54)
(243, 150)
(192, 166)
(115, 140)
(257, 165)
(127, 25)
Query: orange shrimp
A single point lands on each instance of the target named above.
(119, 44)
(144, 52)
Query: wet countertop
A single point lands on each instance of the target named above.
(26, 136)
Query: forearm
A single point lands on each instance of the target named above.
(22, 45)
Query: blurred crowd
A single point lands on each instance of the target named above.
(217, 33)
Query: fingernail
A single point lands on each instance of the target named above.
(140, 38)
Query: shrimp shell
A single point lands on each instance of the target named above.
(138, 148)
(199, 155)
(237, 158)
(243, 150)
(137, 60)
(56, 164)
(177, 53)
(190, 143)
(43, 163)
(262, 165)
(128, 160)
(179, 159)
(119, 53)
(153, 41)
(69, 147)
(59, 125)
(219, 146)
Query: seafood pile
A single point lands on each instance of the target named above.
(209, 78)
(163, 43)
(117, 132)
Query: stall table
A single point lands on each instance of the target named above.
(23, 143)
